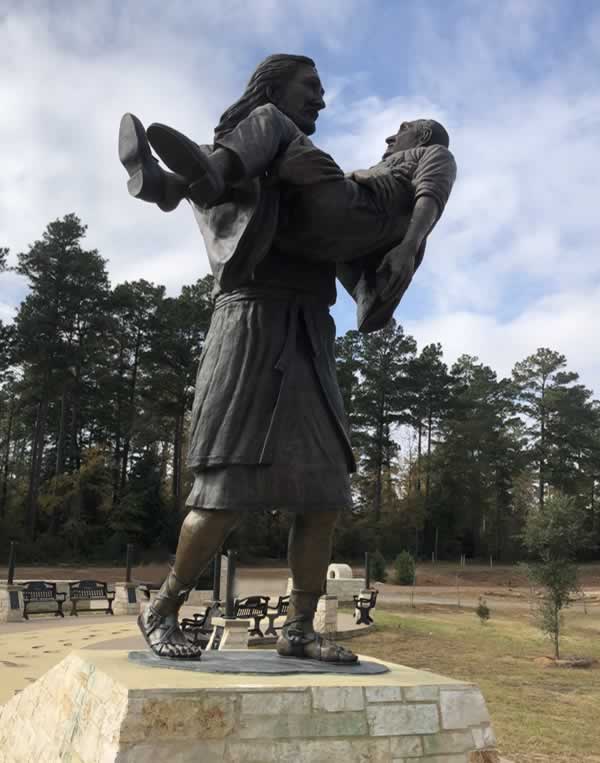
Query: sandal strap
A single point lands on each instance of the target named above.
(294, 632)
(325, 643)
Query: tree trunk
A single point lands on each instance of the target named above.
(542, 448)
(117, 451)
(60, 442)
(428, 470)
(6, 464)
(419, 447)
(379, 477)
(31, 505)
(75, 433)
(177, 445)
(127, 443)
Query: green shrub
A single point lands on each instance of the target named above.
(405, 569)
(482, 611)
(377, 567)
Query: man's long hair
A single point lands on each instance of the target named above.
(273, 72)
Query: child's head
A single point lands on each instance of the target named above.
(419, 132)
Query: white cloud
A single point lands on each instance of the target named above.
(67, 76)
(566, 322)
(513, 264)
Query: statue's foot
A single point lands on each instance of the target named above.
(295, 642)
(186, 158)
(147, 180)
(164, 636)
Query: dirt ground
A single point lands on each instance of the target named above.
(444, 582)
(537, 712)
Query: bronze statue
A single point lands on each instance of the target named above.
(280, 220)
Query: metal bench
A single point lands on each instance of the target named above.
(254, 607)
(363, 605)
(279, 610)
(90, 590)
(44, 593)
(198, 628)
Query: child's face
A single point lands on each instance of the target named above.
(408, 136)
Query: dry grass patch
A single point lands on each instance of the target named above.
(540, 715)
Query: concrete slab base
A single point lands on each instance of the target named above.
(11, 603)
(98, 707)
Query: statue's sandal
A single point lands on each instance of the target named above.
(165, 638)
(294, 641)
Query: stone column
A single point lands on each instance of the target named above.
(11, 603)
(326, 615)
(126, 600)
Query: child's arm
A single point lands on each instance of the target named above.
(432, 181)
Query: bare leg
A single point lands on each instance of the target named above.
(310, 542)
(309, 549)
(202, 534)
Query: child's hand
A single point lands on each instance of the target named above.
(396, 270)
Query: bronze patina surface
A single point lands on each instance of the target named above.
(280, 221)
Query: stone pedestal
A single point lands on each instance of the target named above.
(326, 616)
(126, 599)
(11, 603)
(344, 589)
(232, 634)
(98, 707)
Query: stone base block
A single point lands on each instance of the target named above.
(98, 707)
(11, 603)
(326, 615)
(231, 634)
(126, 599)
(344, 589)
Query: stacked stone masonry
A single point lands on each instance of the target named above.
(78, 713)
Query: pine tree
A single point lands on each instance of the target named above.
(381, 405)
(561, 430)
(59, 325)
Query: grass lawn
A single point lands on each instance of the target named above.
(540, 714)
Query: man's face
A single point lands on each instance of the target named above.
(408, 136)
(301, 98)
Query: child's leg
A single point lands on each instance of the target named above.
(260, 138)
(342, 221)
(247, 151)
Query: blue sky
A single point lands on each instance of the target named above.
(512, 266)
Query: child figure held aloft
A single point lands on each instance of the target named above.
(372, 224)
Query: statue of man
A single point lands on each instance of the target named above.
(268, 428)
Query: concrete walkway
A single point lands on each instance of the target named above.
(29, 648)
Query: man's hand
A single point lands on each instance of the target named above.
(396, 270)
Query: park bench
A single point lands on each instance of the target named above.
(279, 610)
(41, 592)
(90, 590)
(363, 604)
(198, 628)
(254, 607)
